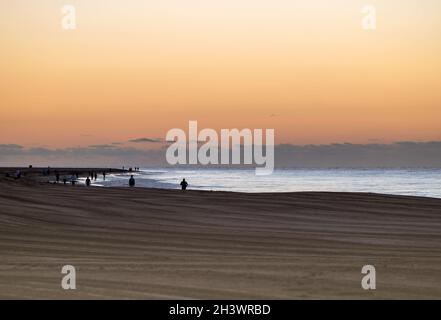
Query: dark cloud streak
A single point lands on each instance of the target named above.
(338, 155)
(146, 140)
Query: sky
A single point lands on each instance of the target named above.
(137, 68)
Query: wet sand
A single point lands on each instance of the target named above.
(165, 244)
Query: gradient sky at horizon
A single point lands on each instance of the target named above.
(138, 68)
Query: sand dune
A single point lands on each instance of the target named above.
(142, 243)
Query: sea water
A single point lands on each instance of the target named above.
(414, 182)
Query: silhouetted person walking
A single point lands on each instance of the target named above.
(95, 176)
(132, 181)
(104, 175)
(88, 181)
(57, 176)
(184, 184)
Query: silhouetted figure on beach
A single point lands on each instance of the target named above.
(57, 176)
(104, 175)
(184, 184)
(132, 181)
(88, 181)
(95, 176)
(64, 180)
(73, 180)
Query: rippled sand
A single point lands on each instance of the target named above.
(142, 243)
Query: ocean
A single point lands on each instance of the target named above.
(413, 182)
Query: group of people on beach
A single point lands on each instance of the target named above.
(92, 175)
(184, 184)
(132, 182)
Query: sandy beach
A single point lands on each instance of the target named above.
(165, 244)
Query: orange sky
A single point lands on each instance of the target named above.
(139, 68)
